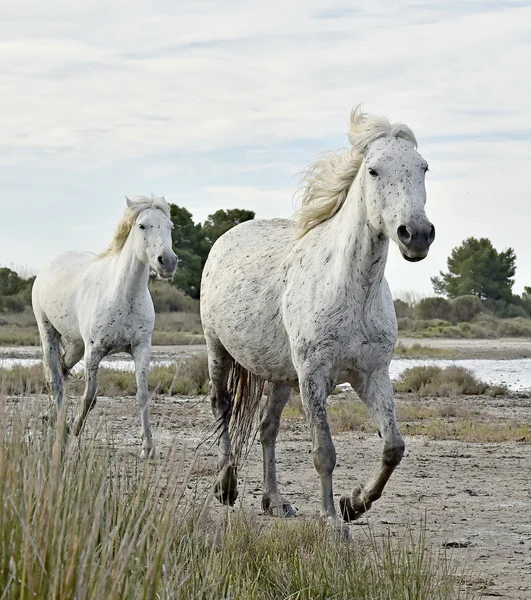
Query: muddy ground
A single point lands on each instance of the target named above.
(476, 497)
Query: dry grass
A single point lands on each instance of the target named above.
(446, 421)
(18, 329)
(171, 329)
(86, 524)
(471, 431)
(420, 351)
(188, 376)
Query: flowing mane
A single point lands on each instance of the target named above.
(327, 182)
(123, 229)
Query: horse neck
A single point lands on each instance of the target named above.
(360, 253)
(130, 274)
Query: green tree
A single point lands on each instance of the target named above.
(192, 242)
(221, 221)
(10, 282)
(191, 248)
(476, 268)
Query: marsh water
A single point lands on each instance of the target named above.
(513, 373)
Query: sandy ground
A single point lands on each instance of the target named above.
(476, 498)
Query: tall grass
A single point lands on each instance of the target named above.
(85, 523)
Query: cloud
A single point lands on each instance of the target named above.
(222, 104)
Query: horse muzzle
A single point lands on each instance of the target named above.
(415, 242)
(166, 265)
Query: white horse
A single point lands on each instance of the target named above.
(306, 303)
(92, 306)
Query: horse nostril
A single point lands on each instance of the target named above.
(161, 260)
(431, 235)
(404, 234)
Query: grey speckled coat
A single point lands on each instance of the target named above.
(316, 311)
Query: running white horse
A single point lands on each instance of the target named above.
(92, 306)
(306, 303)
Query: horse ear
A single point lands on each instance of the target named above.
(130, 203)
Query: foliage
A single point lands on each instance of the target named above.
(434, 308)
(434, 381)
(477, 268)
(192, 242)
(221, 221)
(465, 308)
(15, 291)
(401, 308)
(168, 299)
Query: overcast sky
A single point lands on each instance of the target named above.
(221, 104)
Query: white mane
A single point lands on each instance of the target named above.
(140, 203)
(328, 180)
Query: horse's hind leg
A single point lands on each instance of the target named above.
(88, 400)
(219, 363)
(272, 501)
(73, 353)
(377, 394)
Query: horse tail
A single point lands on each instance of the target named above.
(246, 392)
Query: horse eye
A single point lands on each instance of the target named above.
(141, 226)
(373, 173)
(426, 169)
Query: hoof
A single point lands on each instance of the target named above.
(147, 453)
(227, 497)
(353, 506)
(338, 530)
(277, 507)
(226, 490)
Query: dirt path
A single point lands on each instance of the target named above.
(475, 497)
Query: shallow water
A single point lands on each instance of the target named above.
(515, 373)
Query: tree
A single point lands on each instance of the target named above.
(221, 221)
(10, 282)
(192, 242)
(476, 268)
(191, 248)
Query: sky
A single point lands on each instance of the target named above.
(223, 104)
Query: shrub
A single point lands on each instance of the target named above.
(514, 328)
(402, 309)
(434, 381)
(465, 308)
(167, 298)
(187, 376)
(434, 308)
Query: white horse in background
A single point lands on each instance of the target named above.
(92, 306)
(306, 302)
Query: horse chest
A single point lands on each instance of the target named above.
(121, 327)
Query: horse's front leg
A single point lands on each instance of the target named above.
(142, 357)
(277, 397)
(315, 386)
(376, 392)
(93, 358)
